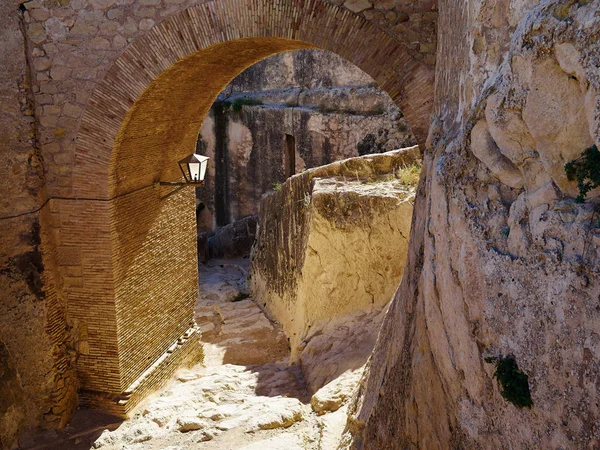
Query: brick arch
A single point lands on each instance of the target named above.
(239, 32)
(133, 243)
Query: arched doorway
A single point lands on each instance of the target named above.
(135, 239)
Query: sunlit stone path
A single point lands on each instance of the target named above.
(244, 396)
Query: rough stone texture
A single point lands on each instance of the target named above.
(495, 268)
(331, 108)
(337, 232)
(37, 380)
(244, 394)
(233, 240)
(332, 395)
(338, 347)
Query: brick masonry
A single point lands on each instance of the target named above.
(119, 89)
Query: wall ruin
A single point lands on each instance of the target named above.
(330, 108)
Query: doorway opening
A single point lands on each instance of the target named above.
(289, 157)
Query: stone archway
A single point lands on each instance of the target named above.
(133, 240)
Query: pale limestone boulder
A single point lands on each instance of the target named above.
(331, 396)
(280, 413)
(555, 114)
(332, 242)
(485, 149)
(190, 423)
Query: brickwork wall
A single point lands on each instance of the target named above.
(99, 113)
(156, 274)
(83, 252)
(412, 22)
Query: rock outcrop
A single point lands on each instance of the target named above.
(330, 251)
(502, 261)
(233, 240)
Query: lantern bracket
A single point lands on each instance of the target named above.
(182, 183)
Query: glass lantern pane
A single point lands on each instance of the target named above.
(203, 169)
(194, 168)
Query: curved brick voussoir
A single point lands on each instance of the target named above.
(130, 242)
(208, 45)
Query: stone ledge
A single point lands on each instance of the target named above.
(185, 351)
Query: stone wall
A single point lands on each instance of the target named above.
(332, 242)
(331, 108)
(37, 379)
(502, 261)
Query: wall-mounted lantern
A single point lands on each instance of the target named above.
(193, 168)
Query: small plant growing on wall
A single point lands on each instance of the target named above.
(514, 382)
(238, 103)
(586, 170)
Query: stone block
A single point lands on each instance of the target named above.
(384, 4)
(36, 33)
(146, 24)
(39, 14)
(60, 73)
(357, 6)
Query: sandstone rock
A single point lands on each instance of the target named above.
(556, 117)
(357, 6)
(288, 441)
(331, 396)
(335, 349)
(332, 428)
(281, 413)
(190, 423)
(106, 438)
(468, 294)
(486, 150)
(345, 244)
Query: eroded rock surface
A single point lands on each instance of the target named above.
(502, 261)
(331, 248)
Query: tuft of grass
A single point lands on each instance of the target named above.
(237, 104)
(514, 382)
(409, 175)
(277, 186)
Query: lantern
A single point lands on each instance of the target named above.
(193, 168)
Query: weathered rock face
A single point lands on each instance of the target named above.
(288, 113)
(37, 382)
(330, 251)
(233, 240)
(502, 261)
